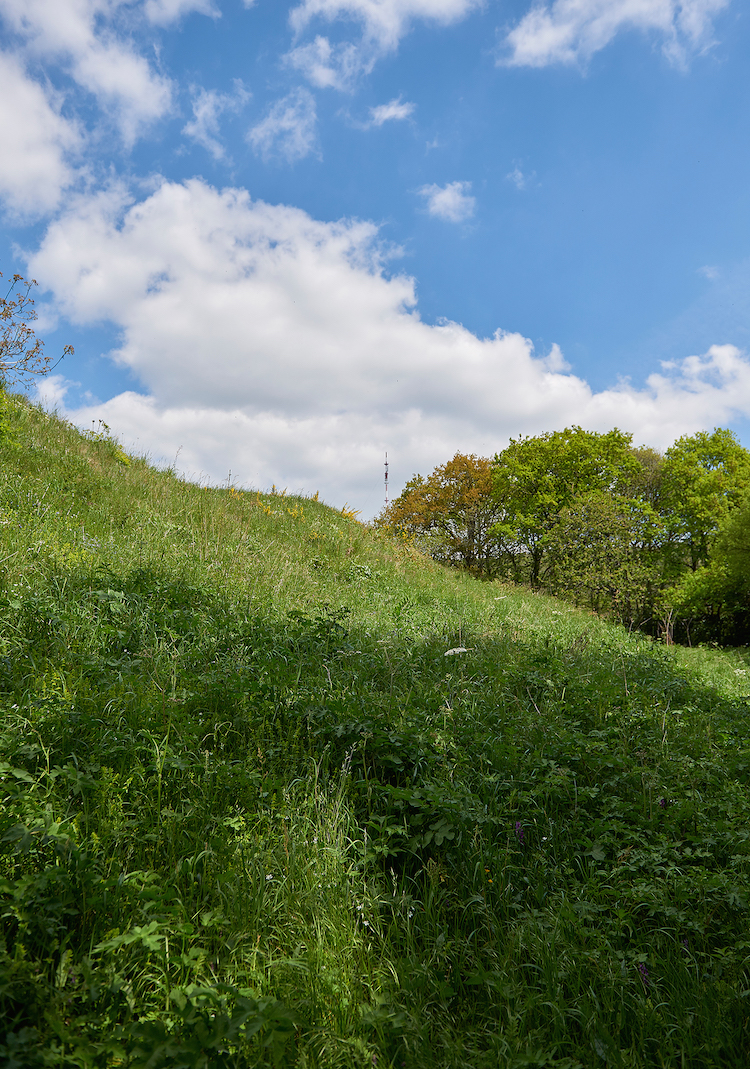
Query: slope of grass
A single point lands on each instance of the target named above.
(277, 791)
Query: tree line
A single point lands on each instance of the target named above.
(657, 541)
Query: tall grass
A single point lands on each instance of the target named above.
(254, 812)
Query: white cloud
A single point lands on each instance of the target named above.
(571, 31)
(164, 12)
(709, 271)
(394, 110)
(521, 180)
(35, 140)
(327, 66)
(383, 21)
(452, 202)
(81, 34)
(289, 130)
(275, 345)
(208, 106)
(383, 24)
(517, 177)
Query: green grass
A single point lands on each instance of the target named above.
(251, 813)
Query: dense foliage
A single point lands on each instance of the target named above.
(278, 791)
(587, 516)
(455, 512)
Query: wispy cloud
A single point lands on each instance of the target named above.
(452, 202)
(165, 12)
(208, 106)
(571, 31)
(384, 21)
(289, 130)
(394, 111)
(328, 66)
(383, 24)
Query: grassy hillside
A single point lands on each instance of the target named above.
(278, 791)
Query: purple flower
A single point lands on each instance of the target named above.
(662, 803)
(644, 973)
(519, 832)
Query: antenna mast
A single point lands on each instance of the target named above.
(386, 480)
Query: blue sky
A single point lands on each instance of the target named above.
(287, 237)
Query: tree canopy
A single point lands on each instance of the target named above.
(624, 531)
(535, 478)
(452, 513)
(704, 477)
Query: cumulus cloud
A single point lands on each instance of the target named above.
(81, 34)
(289, 130)
(571, 31)
(208, 106)
(451, 202)
(395, 110)
(278, 346)
(35, 141)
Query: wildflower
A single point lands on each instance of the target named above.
(662, 803)
(519, 832)
(269, 877)
(644, 973)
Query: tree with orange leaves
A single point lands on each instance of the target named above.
(450, 513)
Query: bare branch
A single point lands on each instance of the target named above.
(22, 354)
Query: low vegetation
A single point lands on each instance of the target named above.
(278, 790)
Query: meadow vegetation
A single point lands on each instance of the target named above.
(278, 790)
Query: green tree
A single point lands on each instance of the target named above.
(647, 482)
(451, 513)
(21, 352)
(604, 553)
(536, 478)
(704, 477)
(713, 602)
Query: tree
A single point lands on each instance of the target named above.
(704, 477)
(535, 478)
(646, 483)
(451, 513)
(714, 600)
(21, 352)
(604, 553)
